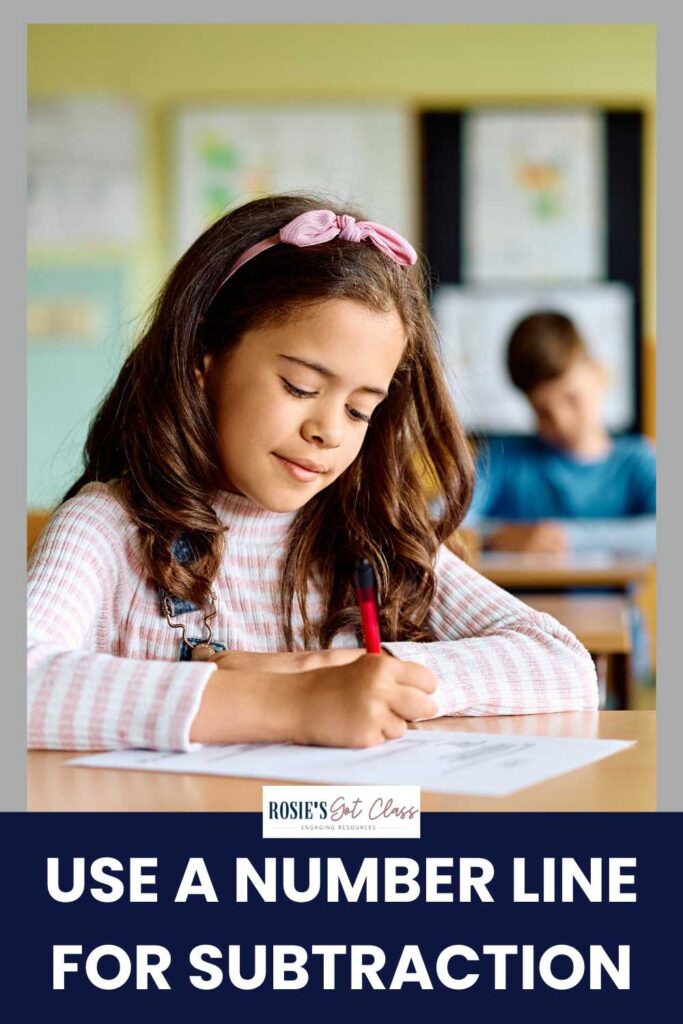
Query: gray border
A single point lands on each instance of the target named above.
(669, 374)
(13, 71)
(600, 12)
(13, 507)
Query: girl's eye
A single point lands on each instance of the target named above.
(297, 392)
(355, 414)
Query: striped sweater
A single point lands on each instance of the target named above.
(103, 668)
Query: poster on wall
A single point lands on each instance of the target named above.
(534, 207)
(83, 184)
(77, 339)
(224, 156)
(475, 324)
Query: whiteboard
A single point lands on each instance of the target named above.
(224, 156)
(475, 323)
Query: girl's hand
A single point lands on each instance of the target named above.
(366, 700)
(363, 704)
(290, 661)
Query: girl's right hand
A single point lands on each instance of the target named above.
(363, 703)
(287, 661)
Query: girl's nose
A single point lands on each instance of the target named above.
(325, 433)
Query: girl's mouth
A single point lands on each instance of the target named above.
(296, 471)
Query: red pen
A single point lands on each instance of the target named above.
(367, 604)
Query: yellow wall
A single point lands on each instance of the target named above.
(160, 65)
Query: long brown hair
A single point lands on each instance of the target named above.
(154, 433)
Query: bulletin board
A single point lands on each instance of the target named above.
(84, 172)
(85, 217)
(225, 155)
(529, 208)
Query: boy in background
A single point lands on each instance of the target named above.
(572, 487)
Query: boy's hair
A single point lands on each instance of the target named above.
(154, 431)
(541, 348)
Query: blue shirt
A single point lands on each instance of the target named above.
(606, 503)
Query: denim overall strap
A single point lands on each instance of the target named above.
(171, 605)
(182, 552)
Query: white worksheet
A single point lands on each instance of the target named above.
(439, 761)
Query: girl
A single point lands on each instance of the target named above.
(196, 585)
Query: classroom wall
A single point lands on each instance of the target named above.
(161, 65)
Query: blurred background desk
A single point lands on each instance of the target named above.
(601, 623)
(600, 620)
(518, 571)
(623, 782)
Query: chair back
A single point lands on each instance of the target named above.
(35, 521)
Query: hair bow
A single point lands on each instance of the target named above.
(318, 226)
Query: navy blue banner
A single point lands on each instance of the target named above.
(557, 935)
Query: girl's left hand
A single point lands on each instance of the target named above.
(288, 661)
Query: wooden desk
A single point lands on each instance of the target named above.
(518, 571)
(601, 623)
(622, 782)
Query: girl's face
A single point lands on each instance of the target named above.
(292, 402)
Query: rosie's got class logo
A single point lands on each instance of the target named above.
(376, 812)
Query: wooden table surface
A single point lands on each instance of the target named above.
(622, 782)
(517, 571)
(600, 621)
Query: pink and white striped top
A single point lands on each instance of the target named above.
(102, 663)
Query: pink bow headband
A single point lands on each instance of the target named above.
(319, 226)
